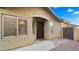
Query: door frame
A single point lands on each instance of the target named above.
(42, 29)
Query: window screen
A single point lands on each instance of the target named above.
(10, 25)
(13, 26)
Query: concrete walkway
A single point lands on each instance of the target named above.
(42, 45)
(68, 46)
(21, 45)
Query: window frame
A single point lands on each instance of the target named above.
(17, 26)
(2, 16)
(25, 19)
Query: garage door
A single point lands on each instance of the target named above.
(68, 33)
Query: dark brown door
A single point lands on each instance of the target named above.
(68, 33)
(40, 29)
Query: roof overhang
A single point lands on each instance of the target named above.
(53, 13)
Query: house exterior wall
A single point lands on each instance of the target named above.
(75, 30)
(65, 25)
(0, 25)
(29, 13)
(76, 34)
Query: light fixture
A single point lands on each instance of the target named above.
(51, 24)
(21, 22)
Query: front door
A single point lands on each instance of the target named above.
(40, 30)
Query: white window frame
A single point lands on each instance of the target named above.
(17, 30)
(18, 27)
(2, 14)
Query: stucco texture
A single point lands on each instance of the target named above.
(30, 13)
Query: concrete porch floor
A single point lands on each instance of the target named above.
(21, 45)
(43, 45)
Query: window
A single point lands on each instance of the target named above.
(10, 23)
(22, 26)
(13, 26)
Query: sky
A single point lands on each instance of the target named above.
(70, 14)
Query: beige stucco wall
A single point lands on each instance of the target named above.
(76, 34)
(29, 13)
(0, 25)
(64, 25)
